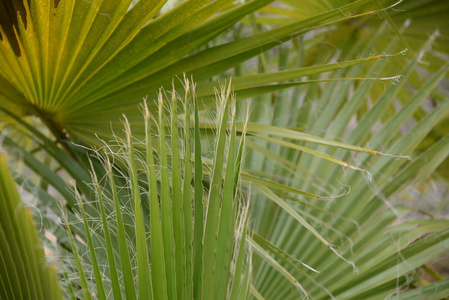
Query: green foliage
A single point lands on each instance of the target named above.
(303, 198)
(78, 65)
(23, 268)
(172, 252)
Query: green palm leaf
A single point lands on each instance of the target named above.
(24, 270)
(87, 57)
(167, 212)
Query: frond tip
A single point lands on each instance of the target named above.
(160, 176)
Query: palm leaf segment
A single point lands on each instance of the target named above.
(79, 65)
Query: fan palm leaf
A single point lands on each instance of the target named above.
(79, 65)
(161, 201)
